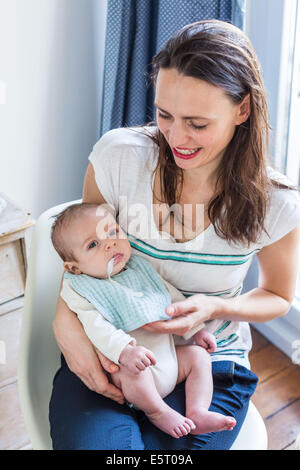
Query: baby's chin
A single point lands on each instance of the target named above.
(118, 267)
(102, 275)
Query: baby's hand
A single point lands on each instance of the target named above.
(206, 340)
(136, 358)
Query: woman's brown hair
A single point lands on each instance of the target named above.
(222, 55)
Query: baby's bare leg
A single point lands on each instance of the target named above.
(194, 366)
(140, 390)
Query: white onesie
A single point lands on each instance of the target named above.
(111, 341)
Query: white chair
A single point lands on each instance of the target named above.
(39, 356)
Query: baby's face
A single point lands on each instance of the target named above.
(95, 239)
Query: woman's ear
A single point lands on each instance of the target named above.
(244, 110)
(71, 267)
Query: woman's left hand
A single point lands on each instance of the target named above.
(189, 313)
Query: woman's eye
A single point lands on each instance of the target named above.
(92, 244)
(164, 116)
(197, 128)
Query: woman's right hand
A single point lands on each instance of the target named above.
(81, 356)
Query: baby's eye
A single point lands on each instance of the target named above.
(114, 231)
(92, 244)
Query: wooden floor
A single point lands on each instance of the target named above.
(277, 396)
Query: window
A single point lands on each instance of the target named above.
(292, 152)
(287, 144)
(274, 29)
(288, 150)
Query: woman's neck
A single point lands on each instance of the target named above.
(203, 177)
(198, 178)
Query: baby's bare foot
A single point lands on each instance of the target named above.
(209, 421)
(171, 422)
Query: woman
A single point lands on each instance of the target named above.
(209, 148)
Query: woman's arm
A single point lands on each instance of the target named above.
(77, 349)
(278, 268)
(90, 191)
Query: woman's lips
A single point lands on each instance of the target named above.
(186, 157)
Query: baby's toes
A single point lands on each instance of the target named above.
(185, 428)
(190, 424)
(176, 432)
(231, 422)
(181, 431)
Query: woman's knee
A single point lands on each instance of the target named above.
(82, 419)
(110, 428)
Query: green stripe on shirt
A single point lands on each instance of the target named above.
(189, 257)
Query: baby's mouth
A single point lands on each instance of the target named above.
(117, 258)
(114, 260)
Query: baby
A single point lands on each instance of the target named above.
(95, 249)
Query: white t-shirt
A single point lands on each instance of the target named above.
(123, 161)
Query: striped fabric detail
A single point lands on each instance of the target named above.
(199, 258)
(230, 352)
(221, 343)
(225, 342)
(234, 292)
(189, 257)
(227, 323)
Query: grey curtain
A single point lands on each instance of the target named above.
(136, 30)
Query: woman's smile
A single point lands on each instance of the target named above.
(186, 154)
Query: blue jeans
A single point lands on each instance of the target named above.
(82, 419)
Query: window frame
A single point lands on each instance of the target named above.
(271, 27)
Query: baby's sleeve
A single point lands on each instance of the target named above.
(108, 339)
(177, 296)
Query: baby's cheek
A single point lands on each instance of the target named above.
(125, 246)
(122, 235)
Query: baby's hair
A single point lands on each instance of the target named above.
(63, 219)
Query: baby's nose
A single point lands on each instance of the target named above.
(110, 244)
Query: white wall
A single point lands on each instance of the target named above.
(51, 60)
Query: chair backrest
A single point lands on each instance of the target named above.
(39, 356)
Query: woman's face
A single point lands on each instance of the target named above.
(197, 119)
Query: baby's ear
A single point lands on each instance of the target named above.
(71, 267)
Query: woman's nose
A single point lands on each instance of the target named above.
(177, 135)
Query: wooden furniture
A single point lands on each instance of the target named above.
(15, 233)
